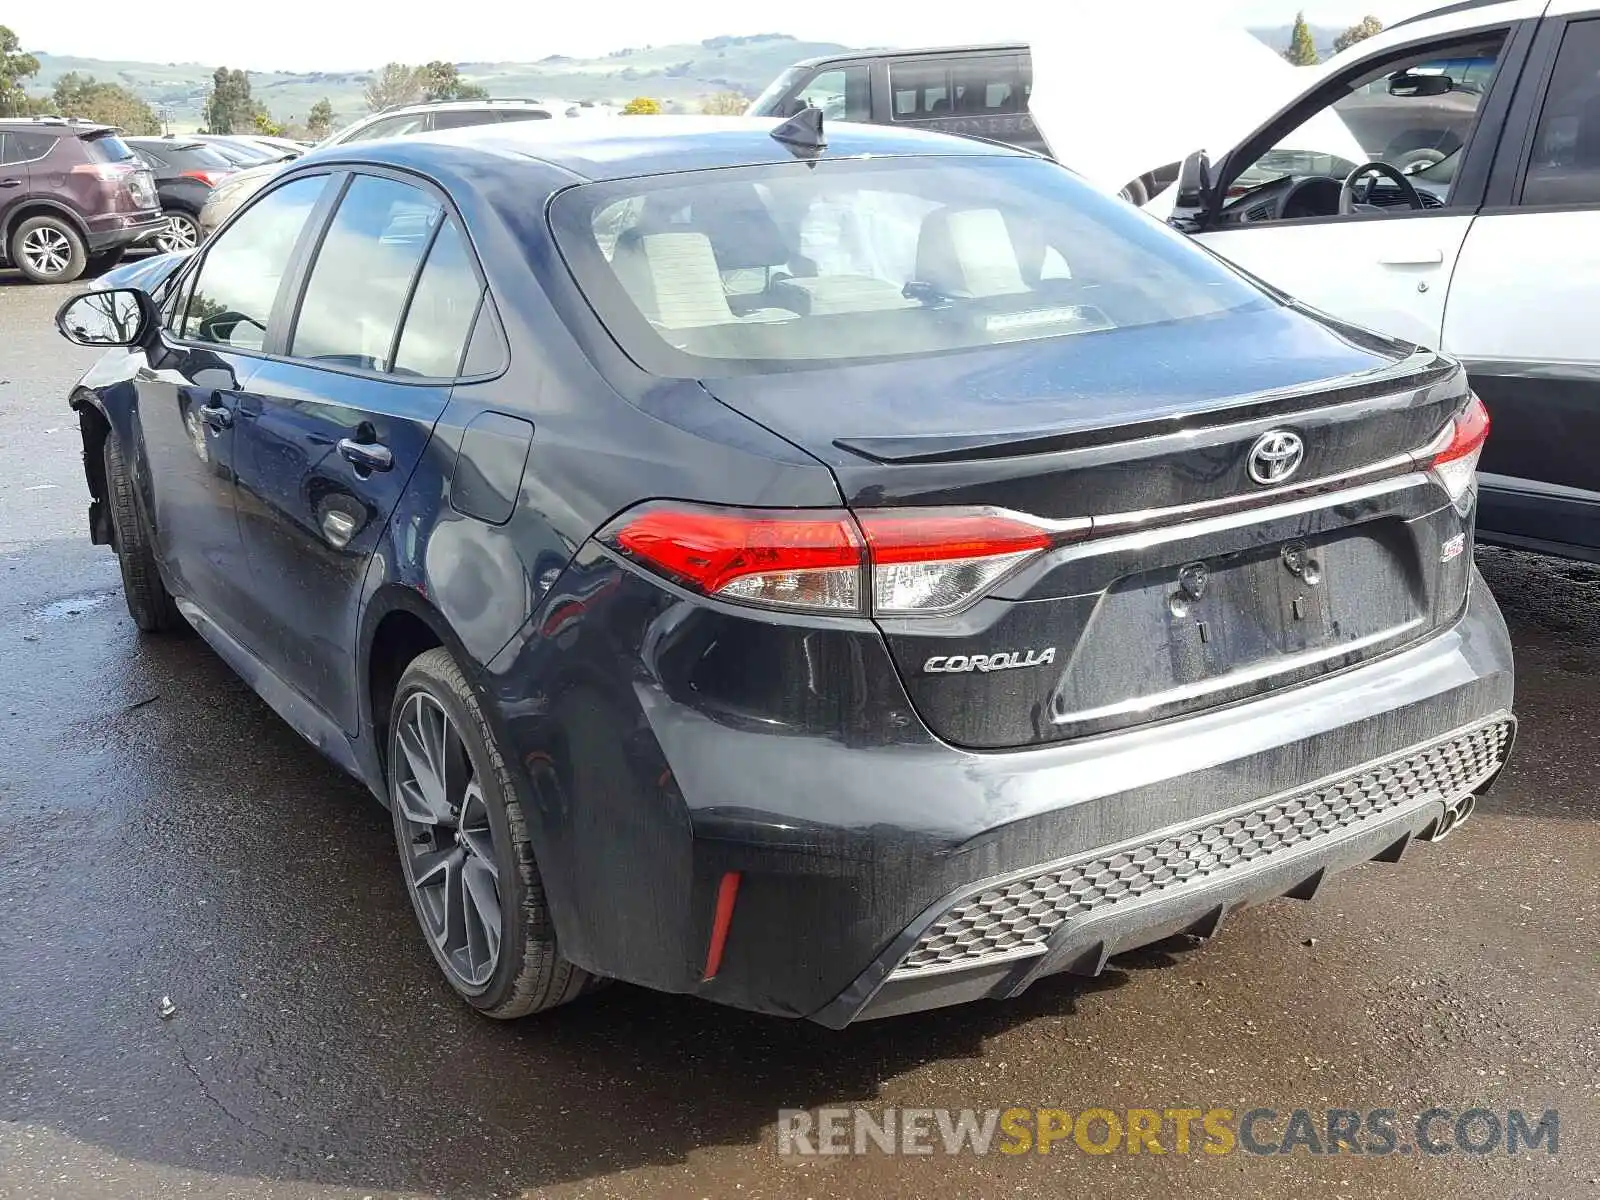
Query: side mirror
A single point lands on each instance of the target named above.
(121, 317)
(1406, 85)
(1196, 183)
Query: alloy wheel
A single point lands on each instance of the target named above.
(450, 856)
(181, 233)
(47, 250)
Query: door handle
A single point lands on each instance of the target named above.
(10, 183)
(1411, 258)
(216, 416)
(369, 456)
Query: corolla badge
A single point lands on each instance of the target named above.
(1006, 660)
(1276, 456)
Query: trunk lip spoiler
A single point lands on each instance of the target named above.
(908, 449)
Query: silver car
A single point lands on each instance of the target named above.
(400, 121)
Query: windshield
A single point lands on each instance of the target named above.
(766, 103)
(755, 269)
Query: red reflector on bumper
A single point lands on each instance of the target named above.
(727, 893)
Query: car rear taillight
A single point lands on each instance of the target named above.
(796, 559)
(927, 561)
(104, 172)
(209, 178)
(1453, 459)
(893, 562)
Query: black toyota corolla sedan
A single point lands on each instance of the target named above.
(835, 573)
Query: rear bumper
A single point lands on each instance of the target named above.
(850, 847)
(995, 939)
(108, 233)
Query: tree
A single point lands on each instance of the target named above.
(83, 96)
(319, 121)
(261, 122)
(230, 107)
(395, 84)
(641, 106)
(725, 104)
(1360, 32)
(16, 68)
(441, 81)
(1302, 51)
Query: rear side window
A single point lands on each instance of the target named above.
(758, 269)
(442, 309)
(1565, 168)
(25, 147)
(461, 118)
(522, 114)
(363, 273)
(238, 281)
(920, 90)
(987, 87)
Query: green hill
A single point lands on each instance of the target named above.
(679, 76)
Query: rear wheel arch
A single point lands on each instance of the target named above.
(43, 208)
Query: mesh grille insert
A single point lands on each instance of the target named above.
(1015, 919)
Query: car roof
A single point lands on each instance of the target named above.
(487, 102)
(624, 147)
(54, 124)
(923, 52)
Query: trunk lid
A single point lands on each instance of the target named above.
(1198, 583)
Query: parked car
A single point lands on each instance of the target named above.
(243, 152)
(402, 121)
(73, 197)
(833, 580)
(975, 91)
(185, 172)
(280, 146)
(1472, 224)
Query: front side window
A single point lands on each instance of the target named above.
(842, 93)
(1565, 167)
(1415, 114)
(758, 269)
(238, 282)
(362, 274)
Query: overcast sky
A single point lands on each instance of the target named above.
(307, 35)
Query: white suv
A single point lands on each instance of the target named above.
(400, 121)
(1471, 223)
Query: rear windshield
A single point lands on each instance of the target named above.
(773, 268)
(196, 156)
(107, 147)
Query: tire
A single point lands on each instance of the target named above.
(99, 264)
(182, 232)
(149, 603)
(48, 250)
(528, 973)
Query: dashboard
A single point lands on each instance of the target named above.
(1297, 197)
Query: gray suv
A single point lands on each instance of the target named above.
(400, 121)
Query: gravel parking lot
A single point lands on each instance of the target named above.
(163, 834)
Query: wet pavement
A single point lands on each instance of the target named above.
(163, 834)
